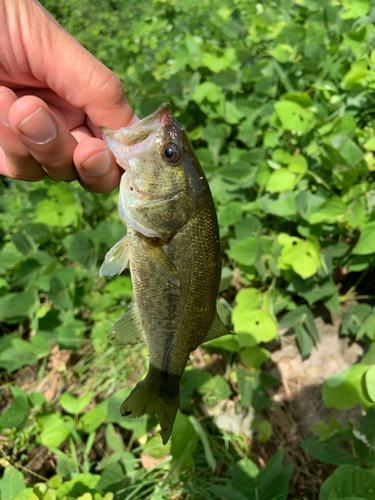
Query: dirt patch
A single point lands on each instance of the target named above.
(302, 379)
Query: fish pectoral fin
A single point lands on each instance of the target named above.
(217, 329)
(116, 259)
(161, 262)
(127, 330)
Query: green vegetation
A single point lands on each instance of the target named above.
(278, 98)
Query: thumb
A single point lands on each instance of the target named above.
(57, 59)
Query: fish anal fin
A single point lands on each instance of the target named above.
(127, 330)
(161, 261)
(217, 329)
(116, 259)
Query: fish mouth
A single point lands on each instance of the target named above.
(128, 141)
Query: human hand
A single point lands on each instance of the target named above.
(54, 96)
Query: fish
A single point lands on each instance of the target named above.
(173, 246)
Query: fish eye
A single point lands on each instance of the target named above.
(171, 153)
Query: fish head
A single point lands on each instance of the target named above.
(162, 175)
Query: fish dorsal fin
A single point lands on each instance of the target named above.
(217, 329)
(127, 330)
(116, 259)
(161, 262)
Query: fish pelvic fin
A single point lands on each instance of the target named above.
(158, 393)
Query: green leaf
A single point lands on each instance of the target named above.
(226, 493)
(155, 447)
(254, 357)
(206, 445)
(68, 338)
(27, 494)
(252, 324)
(54, 430)
(215, 388)
(126, 458)
(14, 359)
(285, 206)
(253, 388)
(37, 346)
(23, 243)
(59, 294)
(114, 439)
(17, 414)
(366, 242)
(274, 478)
(264, 431)
(320, 290)
(80, 484)
(346, 388)
(120, 287)
(348, 481)
(357, 75)
(12, 484)
(294, 117)
(207, 90)
(66, 466)
(37, 400)
(297, 164)
(17, 306)
(245, 251)
(301, 255)
(28, 273)
(244, 476)
(355, 318)
(358, 8)
(92, 420)
(282, 53)
(61, 209)
(230, 213)
(184, 440)
(367, 327)
(281, 180)
(253, 327)
(113, 479)
(305, 342)
(328, 452)
(75, 405)
(228, 343)
(370, 382)
(82, 250)
(333, 210)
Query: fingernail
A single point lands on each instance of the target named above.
(6, 101)
(98, 165)
(39, 128)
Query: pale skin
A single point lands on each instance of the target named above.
(54, 96)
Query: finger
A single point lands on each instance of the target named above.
(49, 142)
(70, 116)
(81, 133)
(73, 73)
(15, 160)
(96, 166)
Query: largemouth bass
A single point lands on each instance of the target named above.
(173, 246)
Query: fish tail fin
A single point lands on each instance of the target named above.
(149, 396)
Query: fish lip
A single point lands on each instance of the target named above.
(140, 137)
